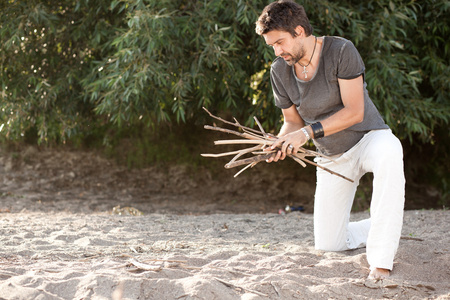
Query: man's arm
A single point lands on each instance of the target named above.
(292, 123)
(352, 94)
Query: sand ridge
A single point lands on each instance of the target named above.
(196, 239)
(222, 256)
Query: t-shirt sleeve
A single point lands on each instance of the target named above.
(351, 64)
(279, 93)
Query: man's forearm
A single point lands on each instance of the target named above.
(289, 127)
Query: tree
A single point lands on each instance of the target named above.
(78, 65)
(47, 48)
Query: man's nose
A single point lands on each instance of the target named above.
(277, 50)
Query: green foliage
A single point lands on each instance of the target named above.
(69, 66)
(406, 53)
(175, 57)
(47, 48)
(89, 71)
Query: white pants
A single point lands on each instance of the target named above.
(380, 152)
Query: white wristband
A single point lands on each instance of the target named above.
(306, 133)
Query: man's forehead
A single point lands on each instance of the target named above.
(275, 36)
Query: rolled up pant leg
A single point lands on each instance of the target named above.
(379, 152)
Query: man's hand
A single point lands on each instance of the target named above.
(287, 144)
(290, 134)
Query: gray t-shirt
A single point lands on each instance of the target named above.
(320, 97)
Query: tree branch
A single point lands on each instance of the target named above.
(262, 141)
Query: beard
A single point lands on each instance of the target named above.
(294, 58)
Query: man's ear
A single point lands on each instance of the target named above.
(300, 31)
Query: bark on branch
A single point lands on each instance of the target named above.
(261, 140)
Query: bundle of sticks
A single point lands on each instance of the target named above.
(260, 141)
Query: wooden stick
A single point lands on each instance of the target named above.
(231, 123)
(248, 150)
(298, 160)
(244, 135)
(251, 165)
(245, 151)
(220, 154)
(248, 161)
(259, 125)
(411, 238)
(261, 139)
(143, 266)
(166, 260)
(260, 158)
(240, 287)
(326, 169)
(237, 142)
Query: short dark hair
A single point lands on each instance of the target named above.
(284, 15)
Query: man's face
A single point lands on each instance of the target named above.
(289, 48)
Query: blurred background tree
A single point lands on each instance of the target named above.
(79, 70)
(47, 48)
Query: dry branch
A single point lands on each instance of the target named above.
(249, 160)
(229, 284)
(262, 140)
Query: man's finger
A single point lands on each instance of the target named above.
(276, 144)
(291, 149)
(284, 147)
(271, 158)
(277, 156)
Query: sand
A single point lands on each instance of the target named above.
(223, 256)
(60, 239)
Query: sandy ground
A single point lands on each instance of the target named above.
(61, 238)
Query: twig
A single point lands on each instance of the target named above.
(241, 152)
(241, 134)
(145, 267)
(230, 123)
(222, 154)
(325, 169)
(298, 160)
(240, 287)
(190, 267)
(263, 157)
(166, 260)
(231, 271)
(259, 125)
(262, 140)
(237, 142)
(275, 288)
(245, 151)
(328, 170)
(251, 165)
(8, 273)
(249, 160)
(411, 238)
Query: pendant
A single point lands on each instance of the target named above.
(304, 72)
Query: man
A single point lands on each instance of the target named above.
(318, 82)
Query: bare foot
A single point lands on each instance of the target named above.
(379, 274)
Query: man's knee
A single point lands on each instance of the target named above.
(330, 244)
(389, 147)
(330, 248)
